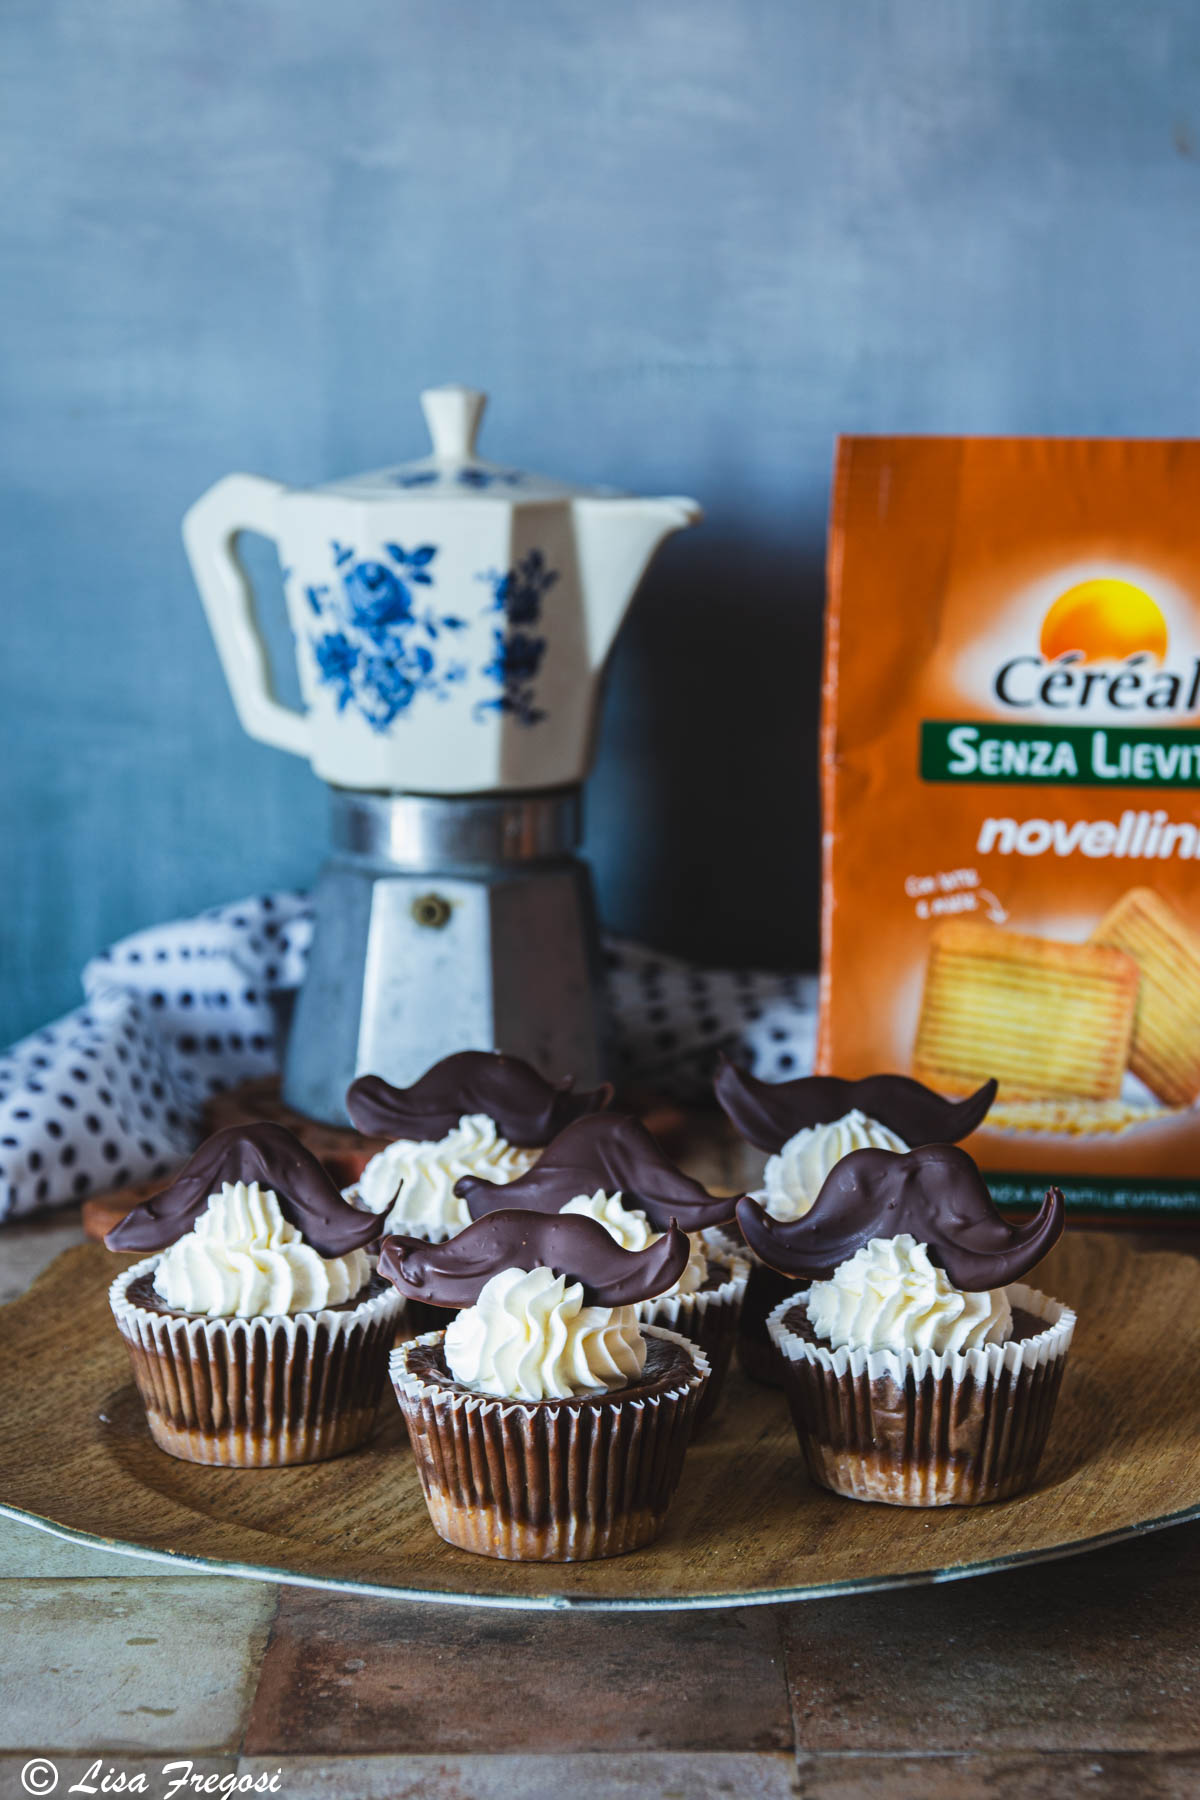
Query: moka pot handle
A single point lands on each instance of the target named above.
(210, 528)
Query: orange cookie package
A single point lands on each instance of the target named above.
(1011, 792)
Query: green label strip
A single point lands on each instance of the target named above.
(1098, 1193)
(1124, 756)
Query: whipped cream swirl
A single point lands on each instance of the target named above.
(633, 1231)
(530, 1337)
(889, 1296)
(243, 1259)
(793, 1179)
(415, 1177)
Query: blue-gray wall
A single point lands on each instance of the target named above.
(682, 242)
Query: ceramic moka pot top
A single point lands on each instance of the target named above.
(451, 616)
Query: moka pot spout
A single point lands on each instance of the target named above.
(615, 540)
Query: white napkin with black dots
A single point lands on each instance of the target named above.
(112, 1093)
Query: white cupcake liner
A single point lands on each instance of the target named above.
(258, 1392)
(981, 1364)
(723, 1242)
(685, 1313)
(544, 1481)
(926, 1428)
(765, 1285)
(708, 1317)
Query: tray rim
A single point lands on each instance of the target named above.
(868, 1584)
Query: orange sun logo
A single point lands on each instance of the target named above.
(1104, 620)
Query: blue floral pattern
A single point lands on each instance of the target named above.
(378, 643)
(468, 476)
(517, 648)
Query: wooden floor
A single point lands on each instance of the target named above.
(1076, 1678)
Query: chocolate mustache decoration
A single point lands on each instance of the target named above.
(527, 1108)
(455, 1273)
(265, 1153)
(768, 1113)
(936, 1193)
(613, 1152)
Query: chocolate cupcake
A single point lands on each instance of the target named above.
(475, 1113)
(919, 1369)
(611, 1169)
(258, 1331)
(547, 1423)
(807, 1126)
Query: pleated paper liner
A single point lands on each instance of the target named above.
(258, 1392)
(765, 1288)
(547, 1481)
(708, 1317)
(922, 1429)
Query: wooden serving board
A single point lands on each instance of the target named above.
(746, 1526)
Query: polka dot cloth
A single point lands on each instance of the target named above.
(85, 1105)
(670, 1021)
(113, 1092)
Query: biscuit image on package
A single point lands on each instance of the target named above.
(1165, 1053)
(1045, 1018)
(1076, 1118)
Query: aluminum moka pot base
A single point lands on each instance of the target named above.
(446, 923)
